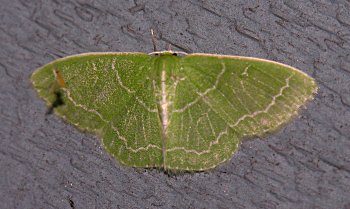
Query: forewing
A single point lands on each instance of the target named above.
(111, 95)
(221, 100)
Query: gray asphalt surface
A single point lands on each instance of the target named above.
(46, 163)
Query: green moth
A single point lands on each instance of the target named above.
(173, 110)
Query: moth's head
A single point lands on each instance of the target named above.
(168, 53)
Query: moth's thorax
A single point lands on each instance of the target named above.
(167, 67)
(167, 77)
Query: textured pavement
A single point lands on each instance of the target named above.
(46, 163)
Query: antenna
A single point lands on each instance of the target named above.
(154, 41)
